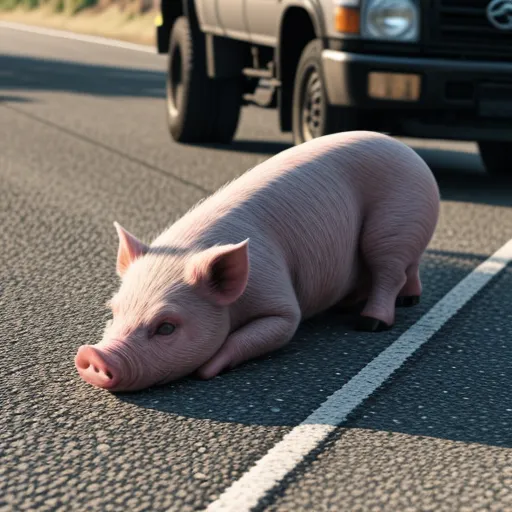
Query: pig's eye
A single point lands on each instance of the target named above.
(165, 329)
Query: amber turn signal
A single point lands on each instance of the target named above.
(346, 19)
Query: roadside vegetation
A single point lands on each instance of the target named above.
(129, 20)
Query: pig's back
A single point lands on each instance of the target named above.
(303, 209)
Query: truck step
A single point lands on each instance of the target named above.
(262, 73)
(264, 96)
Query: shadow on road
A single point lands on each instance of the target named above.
(283, 388)
(474, 188)
(25, 73)
(14, 99)
(263, 147)
(460, 175)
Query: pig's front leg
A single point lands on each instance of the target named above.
(254, 339)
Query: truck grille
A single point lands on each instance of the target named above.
(461, 27)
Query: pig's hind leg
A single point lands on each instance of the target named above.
(410, 293)
(391, 252)
(258, 337)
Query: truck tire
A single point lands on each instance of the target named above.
(199, 108)
(497, 157)
(312, 116)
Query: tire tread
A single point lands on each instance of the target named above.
(210, 107)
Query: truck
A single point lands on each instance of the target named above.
(438, 69)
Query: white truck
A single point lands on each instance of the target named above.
(421, 68)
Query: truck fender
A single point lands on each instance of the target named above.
(316, 15)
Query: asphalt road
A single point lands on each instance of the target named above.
(83, 143)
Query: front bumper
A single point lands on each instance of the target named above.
(456, 99)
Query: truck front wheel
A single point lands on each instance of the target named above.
(497, 157)
(199, 109)
(312, 116)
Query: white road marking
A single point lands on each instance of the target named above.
(78, 37)
(246, 492)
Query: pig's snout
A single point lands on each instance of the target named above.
(94, 368)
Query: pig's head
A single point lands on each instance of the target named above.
(170, 314)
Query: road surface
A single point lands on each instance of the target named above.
(83, 143)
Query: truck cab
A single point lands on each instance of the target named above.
(420, 68)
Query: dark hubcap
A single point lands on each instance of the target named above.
(175, 88)
(311, 106)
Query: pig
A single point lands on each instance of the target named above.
(339, 219)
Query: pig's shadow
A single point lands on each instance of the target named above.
(284, 387)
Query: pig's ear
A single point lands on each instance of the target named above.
(130, 248)
(220, 272)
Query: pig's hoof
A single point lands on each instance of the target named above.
(369, 324)
(407, 302)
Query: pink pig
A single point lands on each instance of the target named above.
(339, 218)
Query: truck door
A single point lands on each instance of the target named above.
(232, 18)
(263, 18)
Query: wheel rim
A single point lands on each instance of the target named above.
(311, 110)
(175, 83)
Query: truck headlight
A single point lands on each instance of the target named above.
(395, 20)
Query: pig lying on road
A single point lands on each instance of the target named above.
(343, 215)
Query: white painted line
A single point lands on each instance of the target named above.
(246, 492)
(78, 37)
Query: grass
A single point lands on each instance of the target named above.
(129, 21)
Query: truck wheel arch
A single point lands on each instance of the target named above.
(299, 17)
